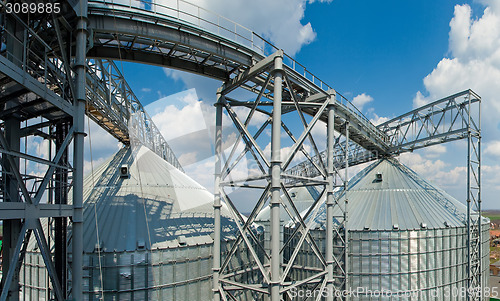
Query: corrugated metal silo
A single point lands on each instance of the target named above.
(147, 234)
(302, 197)
(404, 236)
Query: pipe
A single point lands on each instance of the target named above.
(217, 199)
(79, 125)
(329, 197)
(276, 179)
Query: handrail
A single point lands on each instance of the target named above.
(199, 17)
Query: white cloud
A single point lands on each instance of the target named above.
(174, 121)
(280, 21)
(99, 145)
(475, 63)
(491, 181)
(420, 100)
(187, 158)
(436, 171)
(91, 166)
(493, 148)
(376, 120)
(360, 100)
(435, 151)
(258, 118)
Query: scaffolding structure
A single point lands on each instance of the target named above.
(48, 86)
(280, 92)
(43, 86)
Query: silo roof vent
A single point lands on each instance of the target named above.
(182, 240)
(124, 172)
(378, 177)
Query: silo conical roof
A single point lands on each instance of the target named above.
(153, 206)
(387, 195)
(302, 197)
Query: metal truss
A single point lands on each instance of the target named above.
(187, 37)
(112, 104)
(283, 101)
(438, 122)
(42, 86)
(43, 81)
(452, 118)
(474, 239)
(444, 120)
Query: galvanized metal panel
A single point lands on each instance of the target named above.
(157, 205)
(402, 199)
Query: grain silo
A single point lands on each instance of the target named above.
(147, 234)
(302, 197)
(405, 236)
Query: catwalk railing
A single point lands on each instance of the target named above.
(246, 47)
(112, 104)
(441, 121)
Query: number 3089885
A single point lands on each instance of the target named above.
(25, 8)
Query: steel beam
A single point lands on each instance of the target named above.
(11, 228)
(330, 198)
(21, 77)
(78, 159)
(217, 201)
(274, 274)
(275, 172)
(22, 210)
(475, 277)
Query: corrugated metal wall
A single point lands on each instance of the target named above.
(432, 262)
(182, 273)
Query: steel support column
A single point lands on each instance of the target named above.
(275, 172)
(11, 228)
(60, 198)
(217, 200)
(475, 283)
(275, 269)
(78, 159)
(346, 202)
(330, 131)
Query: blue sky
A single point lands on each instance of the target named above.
(396, 54)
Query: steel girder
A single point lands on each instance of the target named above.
(474, 219)
(161, 40)
(274, 270)
(189, 38)
(39, 88)
(112, 104)
(444, 120)
(438, 122)
(452, 118)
